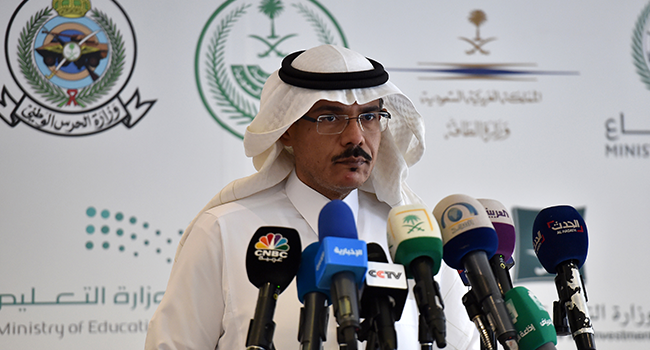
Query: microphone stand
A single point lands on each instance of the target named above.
(488, 338)
(424, 334)
(261, 327)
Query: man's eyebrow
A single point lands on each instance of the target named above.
(338, 109)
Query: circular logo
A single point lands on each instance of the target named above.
(641, 46)
(71, 59)
(244, 42)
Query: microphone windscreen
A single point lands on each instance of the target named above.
(503, 225)
(376, 253)
(306, 277)
(465, 228)
(412, 233)
(383, 279)
(560, 235)
(336, 220)
(273, 256)
(532, 322)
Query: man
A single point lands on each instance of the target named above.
(330, 126)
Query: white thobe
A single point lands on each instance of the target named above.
(209, 300)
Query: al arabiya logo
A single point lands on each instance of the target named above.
(243, 42)
(71, 59)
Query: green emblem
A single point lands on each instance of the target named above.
(641, 46)
(233, 61)
(413, 223)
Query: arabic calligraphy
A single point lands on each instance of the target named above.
(481, 97)
(71, 124)
(485, 130)
(565, 226)
(634, 315)
(99, 296)
(495, 214)
(614, 130)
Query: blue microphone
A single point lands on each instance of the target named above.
(312, 331)
(560, 241)
(341, 265)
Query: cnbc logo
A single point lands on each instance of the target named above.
(242, 43)
(273, 247)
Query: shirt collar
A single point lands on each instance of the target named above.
(309, 202)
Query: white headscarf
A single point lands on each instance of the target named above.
(281, 104)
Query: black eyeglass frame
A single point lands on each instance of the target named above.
(382, 114)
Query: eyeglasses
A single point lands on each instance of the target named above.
(333, 124)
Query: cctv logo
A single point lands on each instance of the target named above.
(384, 274)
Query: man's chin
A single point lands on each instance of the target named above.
(353, 179)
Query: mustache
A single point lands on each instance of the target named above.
(354, 151)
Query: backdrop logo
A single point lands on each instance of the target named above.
(477, 18)
(481, 71)
(243, 41)
(71, 60)
(641, 46)
(115, 233)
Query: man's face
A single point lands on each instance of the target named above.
(334, 165)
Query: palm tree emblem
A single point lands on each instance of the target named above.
(477, 17)
(413, 222)
(272, 8)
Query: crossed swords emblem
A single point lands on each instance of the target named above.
(477, 17)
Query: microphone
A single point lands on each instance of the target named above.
(272, 260)
(382, 300)
(469, 239)
(534, 326)
(560, 242)
(505, 229)
(312, 331)
(476, 315)
(414, 241)
(341, 265)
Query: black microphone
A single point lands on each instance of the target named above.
(561, 243)
(382, 300)
(476, 315)
(272, 260)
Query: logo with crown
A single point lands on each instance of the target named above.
(243, 42)
(71, 60)
(273, 247)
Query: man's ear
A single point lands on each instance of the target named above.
(286, 136)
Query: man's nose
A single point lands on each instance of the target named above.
(353, 133)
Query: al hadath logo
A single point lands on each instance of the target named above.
(72, 60)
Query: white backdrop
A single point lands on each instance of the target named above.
(89, 223)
